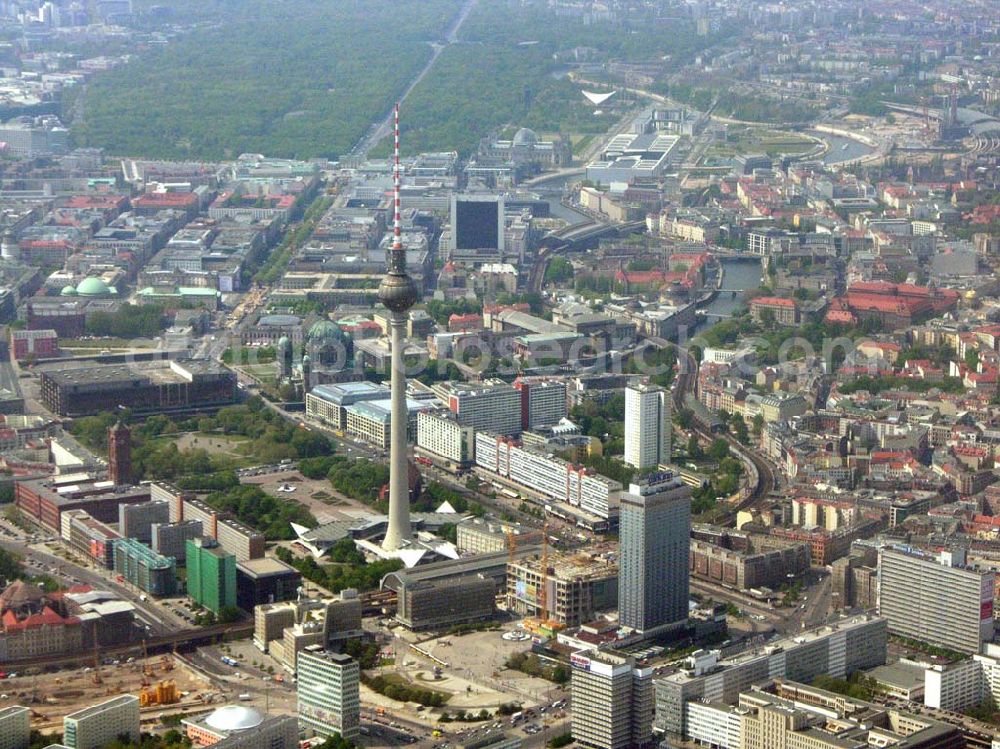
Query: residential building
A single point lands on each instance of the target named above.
(15, 727)
(612, 701)
(647, 426)
(939, 600)
(329, 693)
(439, 433)
(953, 686)
(170, 539)
(95, 726)
(492, 406)
(543, 402)
(837, 649)
(136, 520)
(655, 532)
(211, 573)
(548, 476)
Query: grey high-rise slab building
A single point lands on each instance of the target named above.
(655, 537)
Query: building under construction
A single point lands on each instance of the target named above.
(563, 589)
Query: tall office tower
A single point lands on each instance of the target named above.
(95, 726)
(398, 293)
(120, 454)
(647, 426)
(937, 600)
(655, 533)
(329, 693)
(612, 701)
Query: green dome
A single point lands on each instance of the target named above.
(69, 290)
(284, 343)
(325, 331)
(92, 287)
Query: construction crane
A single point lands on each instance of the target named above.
(543, 594)
(511, 543)
(147, 670)
(96, 676)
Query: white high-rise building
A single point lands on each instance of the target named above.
(95, 726)
(647, 426)
(329, 693)
(15, 727)
(612, 701)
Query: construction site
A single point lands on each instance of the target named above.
(557, 590)
(164, 684)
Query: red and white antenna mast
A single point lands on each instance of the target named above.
(397, 227)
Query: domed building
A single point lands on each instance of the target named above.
(68, 290)
(526, 152)
(328, 344)
(94, 287)
(222, 723)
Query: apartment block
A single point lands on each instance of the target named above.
(612, 701)
(95, 726)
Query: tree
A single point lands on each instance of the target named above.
(719, 450)
(694, 448)
(559, 271)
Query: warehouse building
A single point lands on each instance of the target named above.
(147, 387)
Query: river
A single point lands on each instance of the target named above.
(739, 275)
(837, 153)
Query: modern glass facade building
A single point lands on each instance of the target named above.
(329, 693)
(211, 574)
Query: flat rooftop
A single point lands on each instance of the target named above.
(265, 566)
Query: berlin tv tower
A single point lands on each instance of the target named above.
(398, 293)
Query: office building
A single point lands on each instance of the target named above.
(837, 649)
(612, 701)
(144, 568)
(239, 540)
(547, 476)
(90, 537)
(95, 726)
(647, 426)
(45, 500)
(440, 434)
(543, 402)
(15, 727)
(477, 225)
(655, 530)
(242, 727)
(146, 387)
(492, 406)
(440, 604)
(170, 539)
(329, 403)
(372, 420)
(937, 600)
(265, 580)
(329, 693)
(136, 520)
(211, 571)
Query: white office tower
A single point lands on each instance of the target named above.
(647, 426)
(612, 701)
(329, 693)
(98, 725)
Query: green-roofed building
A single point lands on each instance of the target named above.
(211, 574)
